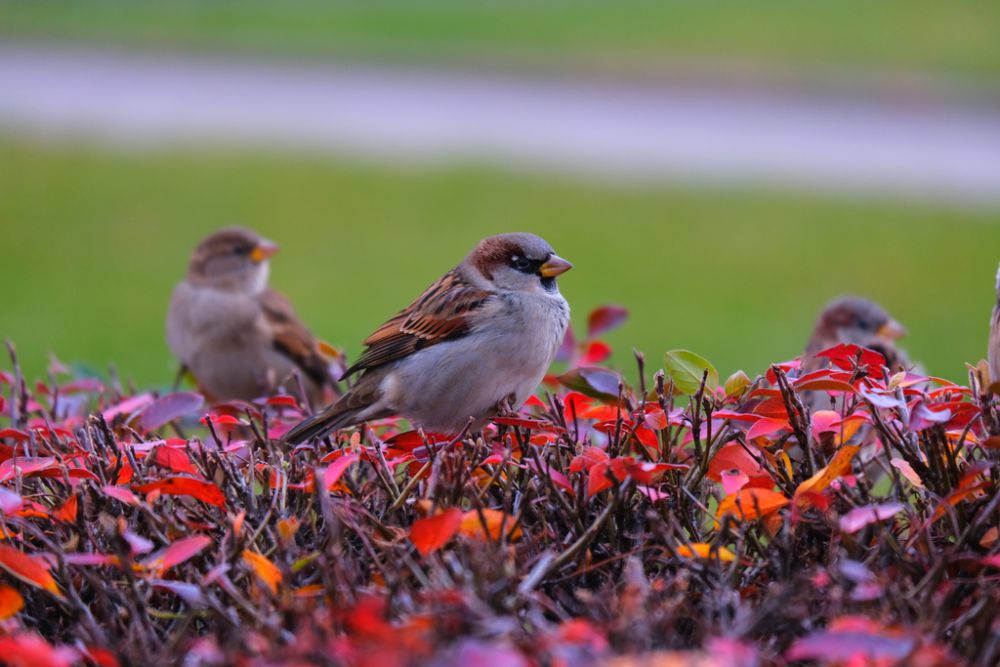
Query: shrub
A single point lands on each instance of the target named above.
(689, 521)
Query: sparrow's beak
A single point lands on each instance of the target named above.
(263, 250)
(554, 266)
(892, 330)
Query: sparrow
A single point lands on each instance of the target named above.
(856, 320)
(477, 341)
(239, 338)
(994, 351)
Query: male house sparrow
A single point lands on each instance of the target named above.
(852, 319)
(239, 338)
(480, 337)
(994, 351)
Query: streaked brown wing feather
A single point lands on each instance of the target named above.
(292, 338)
(441, 313)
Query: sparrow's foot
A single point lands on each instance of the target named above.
(505, 406)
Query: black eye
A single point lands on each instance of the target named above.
(241, 250)
(521, 263)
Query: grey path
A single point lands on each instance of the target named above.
(604, 130)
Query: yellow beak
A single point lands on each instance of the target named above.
(892, 330)
(554, 266)
(263, 250)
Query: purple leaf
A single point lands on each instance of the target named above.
(167, 408)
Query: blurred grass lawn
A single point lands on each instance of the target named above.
(955, 37)
(94, 241)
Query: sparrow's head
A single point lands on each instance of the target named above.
(518, 262)
(859, 321)
(234, 259)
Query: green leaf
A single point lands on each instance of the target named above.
(737, 383)
(685, 369)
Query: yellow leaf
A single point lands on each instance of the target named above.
(705, 550)
(840, 464)
(265, 570)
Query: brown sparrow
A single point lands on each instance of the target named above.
(479, 339)
(994, 351)
(237, 337)
(858, 321)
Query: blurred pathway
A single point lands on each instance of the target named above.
(605, 130)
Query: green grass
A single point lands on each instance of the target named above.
(94, 241)
(957, 36)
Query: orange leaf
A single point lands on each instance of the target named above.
(955, 497)
(705, 550)
(287, 529)
(265, 570)
(431, 533)
(11, 602)
(29, 569)
(206, 492)
(472, 527)
(66, 513)
(751, 503)
(839, 464)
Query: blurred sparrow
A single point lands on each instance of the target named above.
(859, 321)
(479, 340)
(994, 352)
(237, 337)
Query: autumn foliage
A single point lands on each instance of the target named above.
(843, 517)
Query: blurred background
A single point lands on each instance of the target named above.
(720, 168)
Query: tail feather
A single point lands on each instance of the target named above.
(333, 417)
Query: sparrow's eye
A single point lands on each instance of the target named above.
(241, 250)
(521, 263)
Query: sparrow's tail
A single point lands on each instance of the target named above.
(331, 418)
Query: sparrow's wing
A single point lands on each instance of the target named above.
(292, 339)
(441, 313)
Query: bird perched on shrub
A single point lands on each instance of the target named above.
(479, 339)
(239, 338)
(994, 351)
(858, 321)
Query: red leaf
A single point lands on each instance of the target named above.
(844, 355)
(860, 517)
(431, 533)
(558, 478)
(128, 406)
(26, 466)
(825, 384)
(66, 513)
(587, 459)
(336, 470)
(174, 459)
(596, 352)
(766, 426)
(30, 650)
(167, 408)
(14, 434)
(177, 553)
(29, 569)
(206, 492)
(604, 319)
